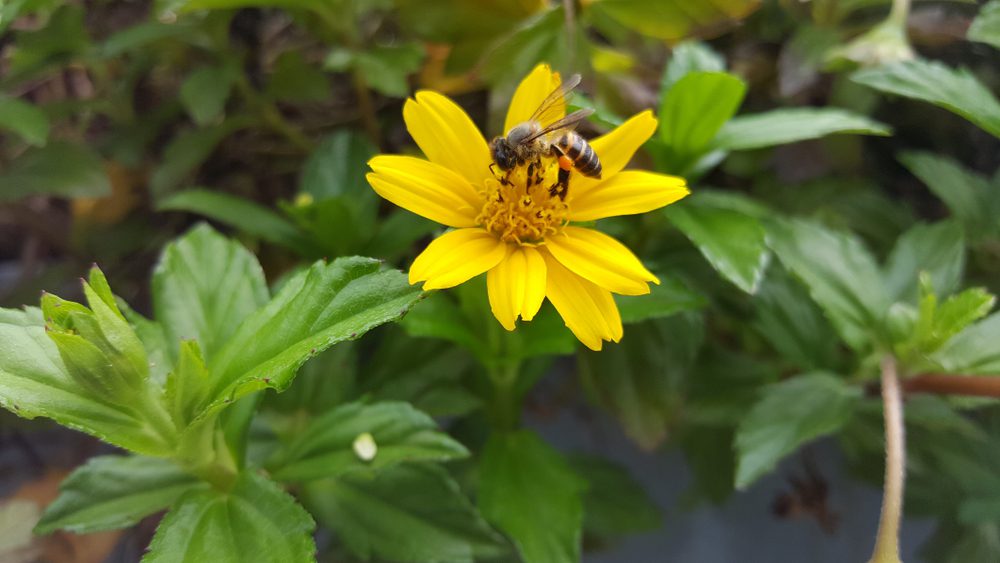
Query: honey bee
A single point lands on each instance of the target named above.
(527, 142)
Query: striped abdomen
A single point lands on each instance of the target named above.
(580, 152)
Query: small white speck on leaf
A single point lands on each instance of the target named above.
(365, 447)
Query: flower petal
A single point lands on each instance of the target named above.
(600, 259)
(447, 135)
(530, 93)
(627, 193)
(616, 148)
(457, 257)
(589, 311)
(425, 188)
(516, 286)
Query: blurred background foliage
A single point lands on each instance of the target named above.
(842, 156)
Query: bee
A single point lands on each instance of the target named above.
(527, 142)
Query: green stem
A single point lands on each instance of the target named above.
(900, 11)
(887, 540)
(506, 401)
(272, 117)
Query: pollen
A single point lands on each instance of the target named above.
(523, 206)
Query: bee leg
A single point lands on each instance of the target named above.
(561, 187)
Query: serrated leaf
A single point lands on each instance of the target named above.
(439, 317)
(411, 512)
(793, 323)
(185, 153)
(58, 169)
(325, 448)
(789, 125)
(204, 92)
(428, 375)
(25, 119)
(254, 521)
(540, 37)
(968, 195)
(937, 249)
(204, 286)
(956, 90)
(34, 382)
(336, 169)
(242, 214)
(639, 379)
(112, 491)
(788, 415)
(974, 350)
(529, 491)
(732, 241)
(986, 27)
(315, 309)
(842, 276)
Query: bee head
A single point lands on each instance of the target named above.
(503, 153)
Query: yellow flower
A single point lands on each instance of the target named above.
(517, 231)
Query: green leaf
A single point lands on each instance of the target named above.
(974, 350)
(541, 37)
(672, 20)
(411, 512)
(204, 92)
(204, 286)
(639, 380)
(841, 275)
(63, 37)
(386, 68)
(687, 57)
(789, 125)
(986, 27)
(255, 521)
(731, 240)
(317, 308)
(25, 119)
(59, 169)
(337, 169)
(185, 153)
(793, 323)
(937, 249)
(968, 195)
(34, 381)
(112, 491)
(295, 80)
(142, 35)
(788, 415)
(956, 90)
(326, 448)
(670, 297)
(242, 214)
(614, 504)
(529, 491)
(439, 317)
(691, 114)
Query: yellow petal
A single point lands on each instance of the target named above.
(616, 148)
(601, 259)
(447, 135)
(588, 311)
(627, 193)
(516, 286)
(529, 95)
(425, 188)
(457, 257)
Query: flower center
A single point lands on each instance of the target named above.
(523, 206)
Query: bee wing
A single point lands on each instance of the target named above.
(555, 102)
(567, 123)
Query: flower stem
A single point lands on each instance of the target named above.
(900, 11)
(887, 540)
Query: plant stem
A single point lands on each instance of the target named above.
(887, 540)
(272, 117)
(942, 384)
(900, 11)
(367, 107)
